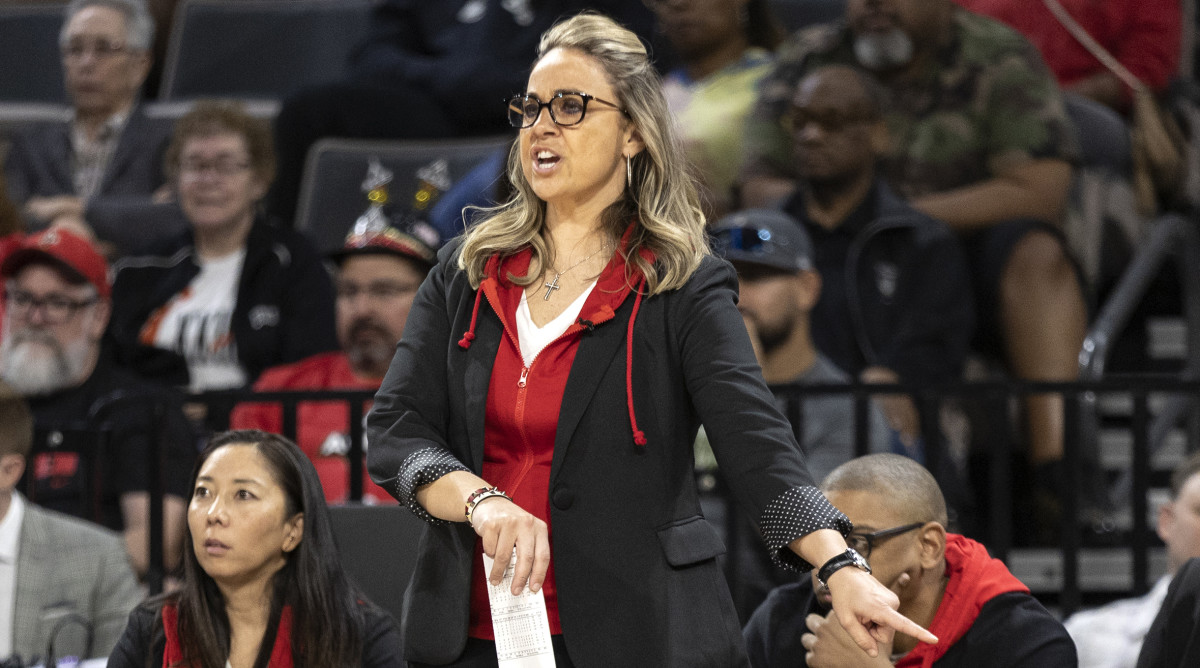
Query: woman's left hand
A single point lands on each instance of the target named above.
(868, 610)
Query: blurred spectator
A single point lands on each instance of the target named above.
(428, 70)
(946, 582)
(52, 565)
(896, 301)
(1111, 636)
(109, 153)
(778, 287)
(379, 272)
(725, 47)
(1143, 35)
(233, 295)
(56, 307)
(978, 137)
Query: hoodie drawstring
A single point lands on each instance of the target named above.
(639, 437)
(469, 335)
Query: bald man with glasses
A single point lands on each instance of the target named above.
(982, 615)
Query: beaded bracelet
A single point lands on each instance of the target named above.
(479, 495)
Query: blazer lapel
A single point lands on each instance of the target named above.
(597, 348)
(31, 575)
(126, 151)
(59, 147)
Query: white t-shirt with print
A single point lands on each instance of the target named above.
(196, 324)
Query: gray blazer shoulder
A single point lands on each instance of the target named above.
(65, 567)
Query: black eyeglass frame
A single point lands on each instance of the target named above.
(55, 310)
(586, 97)
(870, 538)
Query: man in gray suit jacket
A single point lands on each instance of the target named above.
(61, 579)
(94, 171)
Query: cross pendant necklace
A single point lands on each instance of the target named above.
(553, 285)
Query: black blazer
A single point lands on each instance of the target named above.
(635, 561)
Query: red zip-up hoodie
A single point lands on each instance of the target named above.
(523, 405)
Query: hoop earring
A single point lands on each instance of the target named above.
(628, 172)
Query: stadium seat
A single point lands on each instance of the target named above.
(378, 548)
(29, 51)
(259, 49)
(331, 195)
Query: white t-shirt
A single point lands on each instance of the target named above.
(196, 324)
(533, 338)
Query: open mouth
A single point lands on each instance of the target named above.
(544, 159)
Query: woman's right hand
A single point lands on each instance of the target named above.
(504, 525)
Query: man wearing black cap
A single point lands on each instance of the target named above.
(777, 289)
(56, 307)
(379, 271)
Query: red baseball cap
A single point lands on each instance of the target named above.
(79, 261)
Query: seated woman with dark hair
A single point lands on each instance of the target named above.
(262, 586)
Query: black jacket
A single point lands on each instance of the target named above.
(1173, 640)
(143, 643)
(1012, 630)
(635, 560)
(897, 295)
(284, 310)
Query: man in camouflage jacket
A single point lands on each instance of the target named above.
(979, 138)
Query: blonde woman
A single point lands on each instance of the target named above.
(555, 368)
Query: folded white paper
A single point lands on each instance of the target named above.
(520, 623)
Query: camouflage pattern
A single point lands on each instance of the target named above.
(986, 101)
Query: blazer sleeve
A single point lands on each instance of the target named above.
(754, 444)
(407, 425)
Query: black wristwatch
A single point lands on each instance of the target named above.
(847, 558)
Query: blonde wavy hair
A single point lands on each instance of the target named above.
(662, 199)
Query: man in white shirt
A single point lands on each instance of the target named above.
(58, 574)
(1111, 636)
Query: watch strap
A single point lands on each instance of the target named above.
(835, 564)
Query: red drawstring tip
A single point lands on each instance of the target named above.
(465, 341)
(639, 437)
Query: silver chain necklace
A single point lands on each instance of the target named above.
(553, 285)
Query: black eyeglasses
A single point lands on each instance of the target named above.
(863, 543)
(830, 122)
(56, 309)
(565, 109)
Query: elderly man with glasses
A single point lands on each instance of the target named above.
(981, 614)
(85, 171)
(56, 308)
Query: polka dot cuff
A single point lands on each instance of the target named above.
(421, 468)
(795, 513)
